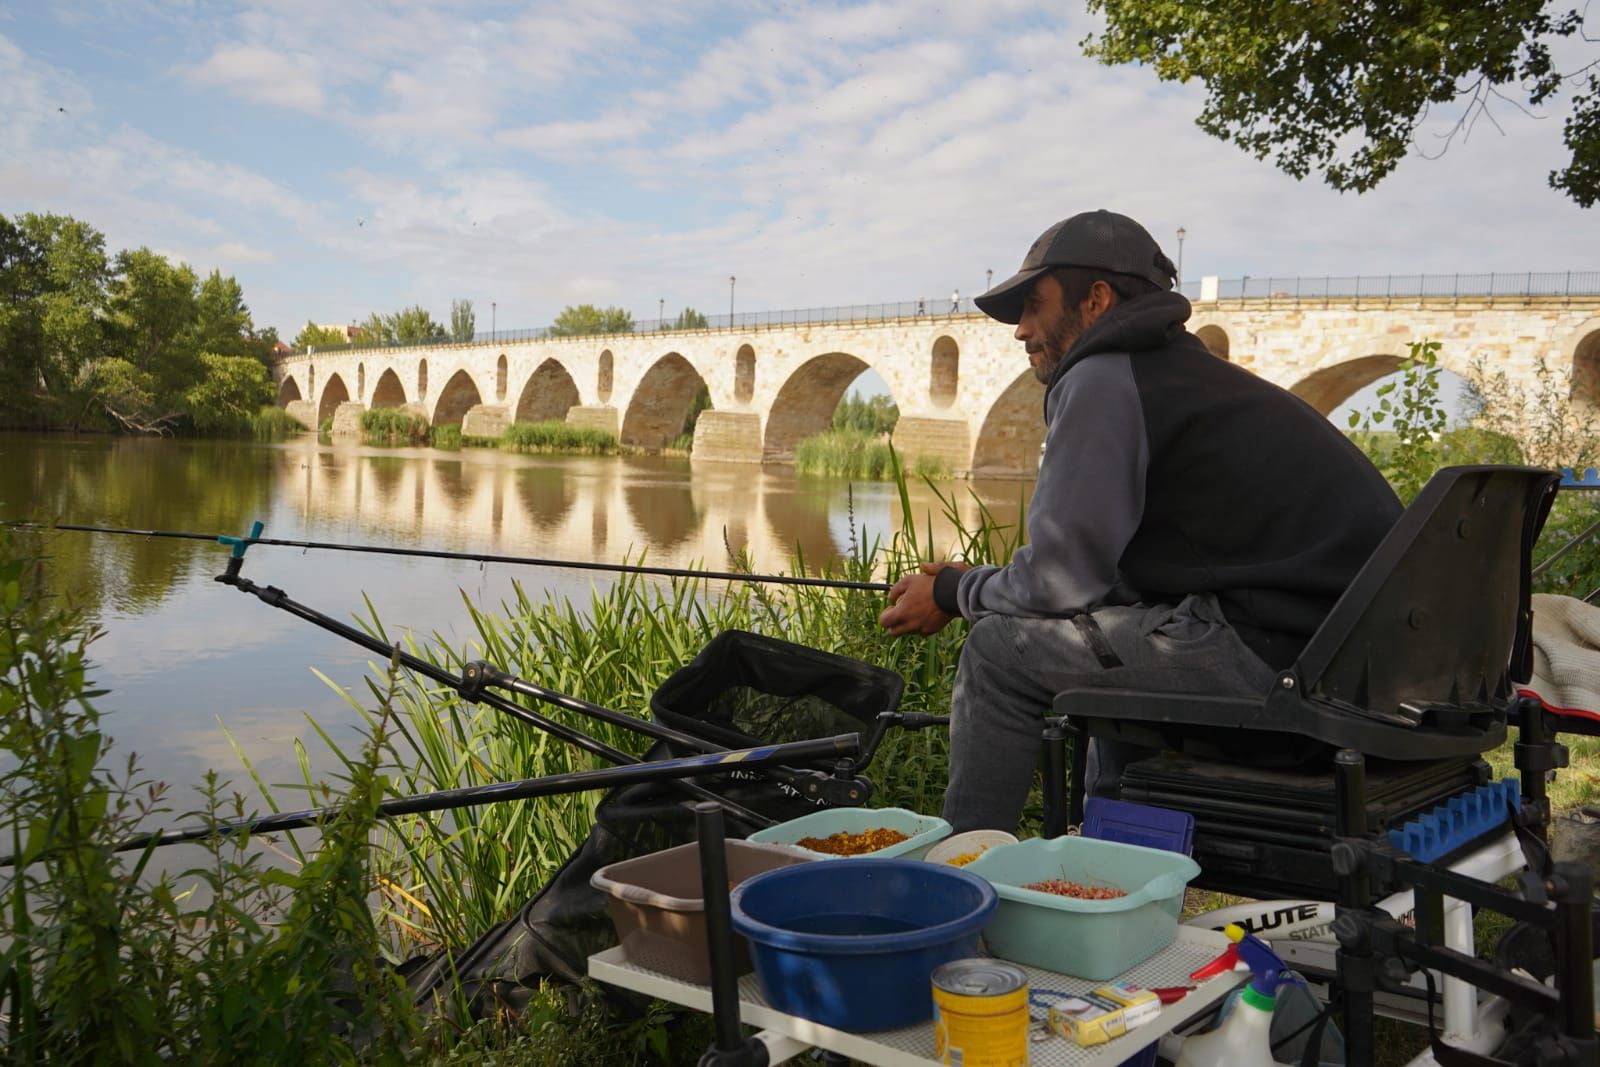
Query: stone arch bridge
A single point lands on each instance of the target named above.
(965, 392)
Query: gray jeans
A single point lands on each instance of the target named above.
(1012, 668)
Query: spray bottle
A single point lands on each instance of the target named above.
(1243, 1039)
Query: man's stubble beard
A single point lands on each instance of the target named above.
(1058, 338)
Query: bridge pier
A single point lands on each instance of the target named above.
(485, 420)
(302, 411)
(946, 440)
(595, 417)
(727, 437)
(347, 419)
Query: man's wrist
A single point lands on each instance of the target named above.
(945, 584)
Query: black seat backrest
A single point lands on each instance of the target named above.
(1437, 627)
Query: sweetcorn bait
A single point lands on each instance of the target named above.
(848, 844)
(1061, 887)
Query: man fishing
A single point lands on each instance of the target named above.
(1191, 526)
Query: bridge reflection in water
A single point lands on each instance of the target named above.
(606, 508)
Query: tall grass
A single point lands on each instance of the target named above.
(555, 436)
(394, 426)
(853, 453)
(272, 423)
(448, 878)
(104, 961)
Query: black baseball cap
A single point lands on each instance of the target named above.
(1101, 240)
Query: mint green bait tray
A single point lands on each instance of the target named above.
(922, 831)
(1093, 939)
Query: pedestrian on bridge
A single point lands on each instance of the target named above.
(1191, 525)
(955, 301)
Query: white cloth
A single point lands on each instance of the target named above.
(1566, 653)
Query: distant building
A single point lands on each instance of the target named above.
(350, 332)
(282, 349)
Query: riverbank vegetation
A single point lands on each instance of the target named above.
(394, 426)
(265, 956)
(555, 436)
(125, 342)
(857, 444)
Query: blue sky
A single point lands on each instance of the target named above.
(350, 156)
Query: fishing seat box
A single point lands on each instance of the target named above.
(657, 904)
(1416, 667)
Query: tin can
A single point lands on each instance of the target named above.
(980, 1014)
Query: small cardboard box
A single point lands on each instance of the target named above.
(1110, 1011)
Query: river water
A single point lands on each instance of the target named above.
(189, 662)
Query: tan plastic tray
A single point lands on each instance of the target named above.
(659, 911)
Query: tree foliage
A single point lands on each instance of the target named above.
(875, 415)
(690, 319)
(407, 326)
(463, 323)
(313, 336)
(87, 341)
(53, 274)
(584, 319)
(1341, 88)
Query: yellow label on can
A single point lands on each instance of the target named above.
(980, 1014)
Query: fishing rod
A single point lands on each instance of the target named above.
(673, 770)
(469, 557)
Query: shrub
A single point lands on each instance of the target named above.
(445, 437)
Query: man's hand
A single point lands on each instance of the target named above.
(911, 608)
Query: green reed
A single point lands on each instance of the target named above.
(853, 453)
(394, 426)
(555, 436)
(273, 423)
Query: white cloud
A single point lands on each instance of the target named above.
(265, 76)
(239, 252)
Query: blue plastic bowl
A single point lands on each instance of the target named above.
(853, 945)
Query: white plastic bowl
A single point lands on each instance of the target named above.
(969, 842)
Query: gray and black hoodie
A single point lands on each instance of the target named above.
(1168, 471)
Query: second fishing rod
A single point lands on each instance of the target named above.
(841, 787)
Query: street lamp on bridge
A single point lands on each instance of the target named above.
(731, 281)
(493, 326)
(988, 279)
(661, 312)
(1181, 236)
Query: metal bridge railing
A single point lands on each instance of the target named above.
(1403, 286)
(1330, 287)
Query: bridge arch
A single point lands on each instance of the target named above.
(548, 394)
(422, 380)
(1013, 430)
(288, 392)
(459, 395)
(1327, 388)
(388, 392)
(1215, 338)
(804, 405)
(660, 403)
(361, 380)
(744, 374)
(334, 393)
(1585, 364)
(605, 377)
(944, 371)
